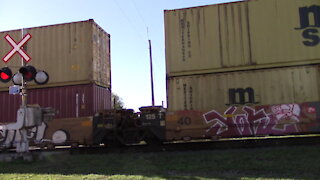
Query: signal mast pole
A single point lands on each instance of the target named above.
(23, 88)
(151, 72)
(23, 145)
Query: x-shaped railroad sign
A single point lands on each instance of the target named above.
(17, 48)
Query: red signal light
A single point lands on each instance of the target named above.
(28, 72)
(5, 74)
(28, 75)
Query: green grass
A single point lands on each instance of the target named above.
(300, 162)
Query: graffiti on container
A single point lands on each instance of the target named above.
(8, 138)
(280, 119)
(218, 120)
(286, 115)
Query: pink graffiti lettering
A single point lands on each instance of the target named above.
(286, 115)
(217, 120)
(243, 125)
(281, 119)
(259, 118)
(286, 110)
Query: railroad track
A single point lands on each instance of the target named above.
(230, 143)
(206, 145)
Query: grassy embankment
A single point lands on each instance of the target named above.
(300, 162)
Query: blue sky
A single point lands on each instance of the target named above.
(127, 21)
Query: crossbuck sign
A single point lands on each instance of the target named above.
(17, 48)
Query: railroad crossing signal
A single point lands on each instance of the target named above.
(25, 73)
(17, 48)
(29, 73)
(5, 74)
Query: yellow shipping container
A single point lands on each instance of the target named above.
(253, 87)
(245, 35)
(71, 53)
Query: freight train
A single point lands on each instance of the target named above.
(239, 69)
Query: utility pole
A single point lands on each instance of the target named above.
(151, 72)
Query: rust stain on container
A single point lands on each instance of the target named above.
(71, 53)
(258, 87)
(252, 34)
(68, 101)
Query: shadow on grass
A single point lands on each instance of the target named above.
(301, 162)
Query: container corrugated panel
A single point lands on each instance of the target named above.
(255, 87)
(71, 53)
(69, 101)
(288, 32)
(245, 35)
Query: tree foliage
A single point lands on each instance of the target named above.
(117, 101)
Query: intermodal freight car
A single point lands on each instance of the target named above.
(246, 68)
(242, 69)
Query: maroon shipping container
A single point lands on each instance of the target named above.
(69, 101)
